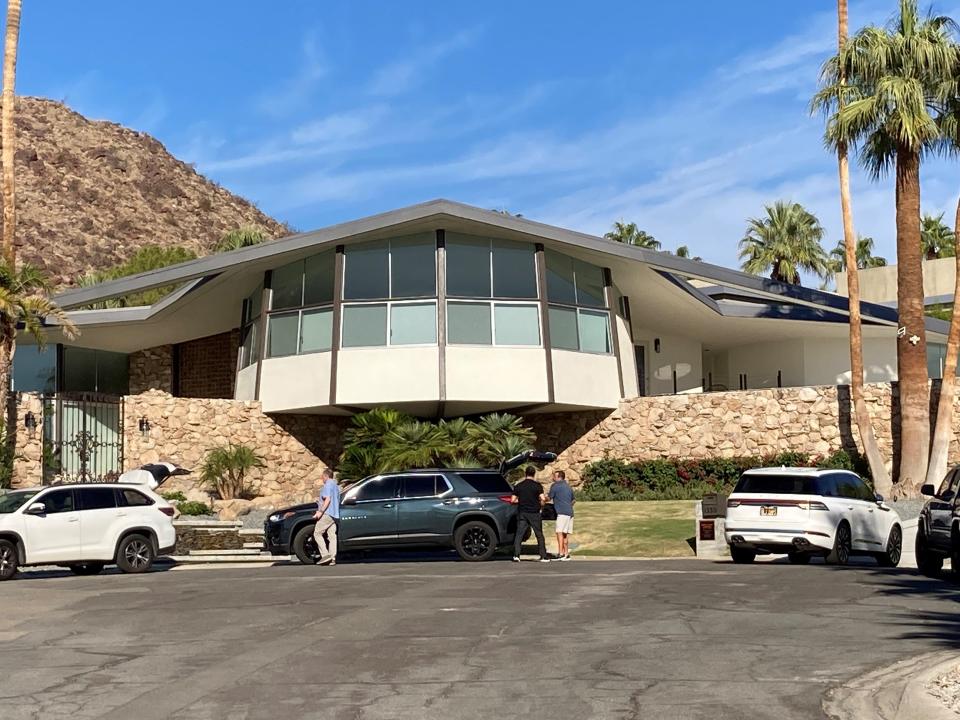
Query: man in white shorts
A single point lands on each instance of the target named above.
(561, 495)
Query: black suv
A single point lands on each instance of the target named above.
(470, 510)
(938, 529)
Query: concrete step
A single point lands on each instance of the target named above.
(213, 524)
(253, 545)
(234, 552)
(264, 559)
(250, 532)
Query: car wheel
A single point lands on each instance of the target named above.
(842, 545)
(799, 558)
(135, 554)
(89, 568)
(9, 561)
(891, 556)
(305, 546)
(475, 541)
(928, 562)
(741, 555)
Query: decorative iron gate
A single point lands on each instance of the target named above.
(82, 437)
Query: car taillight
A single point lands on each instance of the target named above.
(733, 503)
(811, 505)
(506, 498)
(167, 510)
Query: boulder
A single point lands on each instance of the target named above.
(232, 509)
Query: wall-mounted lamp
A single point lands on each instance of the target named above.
(30, 422)
(144, 426)
(656, 345)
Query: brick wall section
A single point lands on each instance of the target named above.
(151, 369)
(208, 366)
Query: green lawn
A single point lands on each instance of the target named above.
(655, 528)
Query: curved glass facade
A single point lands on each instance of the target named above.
(389, 296)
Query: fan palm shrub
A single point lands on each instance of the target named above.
(225, 470)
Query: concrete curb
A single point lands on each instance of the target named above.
(894, 692)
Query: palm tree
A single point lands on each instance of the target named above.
(8, 139)
(498, 436)
(684, 252)
(784, 242)
(240, 238)
(24, 303)
(889, 90)
(630, 234)
(864, 254)
(414, 444)
(943, 430)
(936, 239)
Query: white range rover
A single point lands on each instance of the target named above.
(805, 512)
(84, 527)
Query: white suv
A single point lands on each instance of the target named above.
(84, 527)
(805, 512)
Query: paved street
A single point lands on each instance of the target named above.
(444, 639)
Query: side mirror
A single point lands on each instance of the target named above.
(878, 497)
(927, 490)
(352, 500)
(37, 508)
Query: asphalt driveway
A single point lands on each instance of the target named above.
(445, 639)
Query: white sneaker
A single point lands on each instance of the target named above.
(516, 559)
(544, 559)
(564, 558)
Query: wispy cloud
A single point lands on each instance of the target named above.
(401, 75)
(294, 91)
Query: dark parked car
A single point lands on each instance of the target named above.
(470, 510)
(938, 531)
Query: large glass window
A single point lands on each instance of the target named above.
(469, 324)
(287, 286)
(364, 325)
(306, 284)
(34, 370)
(249, 335)
(575, 288)
(574, 282)
(493, 323)
(579, 329)
(367, 271)
(316, 330)
(594, 332)
(318, 278)
(413, 324)
(86, 370)
(413, 270)
(282, 332)
(516, 324)
(563, 328)
(484, 268)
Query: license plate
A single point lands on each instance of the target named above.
(768, 510)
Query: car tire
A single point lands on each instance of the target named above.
(799, 558)
(928, 562)
(475, 541)
(890, 557)
(9, 560)
(87, 568)
(742, 556)
(135, 554)
(305, 546)
(842, 545)
(955, 556)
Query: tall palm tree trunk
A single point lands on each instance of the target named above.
(878, 469)
(8, 150)
(912, 345)
(943, 431)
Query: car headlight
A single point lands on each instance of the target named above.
(275, 518)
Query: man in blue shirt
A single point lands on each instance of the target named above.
(561, 495)
(328, 519)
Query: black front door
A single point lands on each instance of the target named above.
(640, 352)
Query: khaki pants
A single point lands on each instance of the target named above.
(326, 525)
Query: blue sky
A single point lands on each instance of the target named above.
(685, 118)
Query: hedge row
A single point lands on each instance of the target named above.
(667, 479)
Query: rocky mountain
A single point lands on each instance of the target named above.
(90, 193)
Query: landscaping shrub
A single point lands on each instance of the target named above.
(194, 507)
(176, 496)
(225, 470)
(691, 479)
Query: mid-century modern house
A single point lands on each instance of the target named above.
(444, 309)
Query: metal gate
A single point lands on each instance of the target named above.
(82, 437)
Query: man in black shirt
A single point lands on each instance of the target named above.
(529, 498)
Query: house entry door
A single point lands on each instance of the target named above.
(82, 437)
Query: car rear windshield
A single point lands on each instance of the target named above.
(779, 485)
(487, 482)
(10, 501)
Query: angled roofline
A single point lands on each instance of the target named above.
(660, 261)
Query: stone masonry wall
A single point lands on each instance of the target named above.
(151, 369)
(182, 430)
(28, 444)
(728, 424)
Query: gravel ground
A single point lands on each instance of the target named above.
(947, 689)
(907, 509)
(254, 519)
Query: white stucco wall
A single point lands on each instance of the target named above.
(628, 361)
(762, 361)
(827, 361)
(585, 379)
(496, 374)
(386, 375)
(296, 382)
(246, 386)
(880, 284)
(677, 353)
